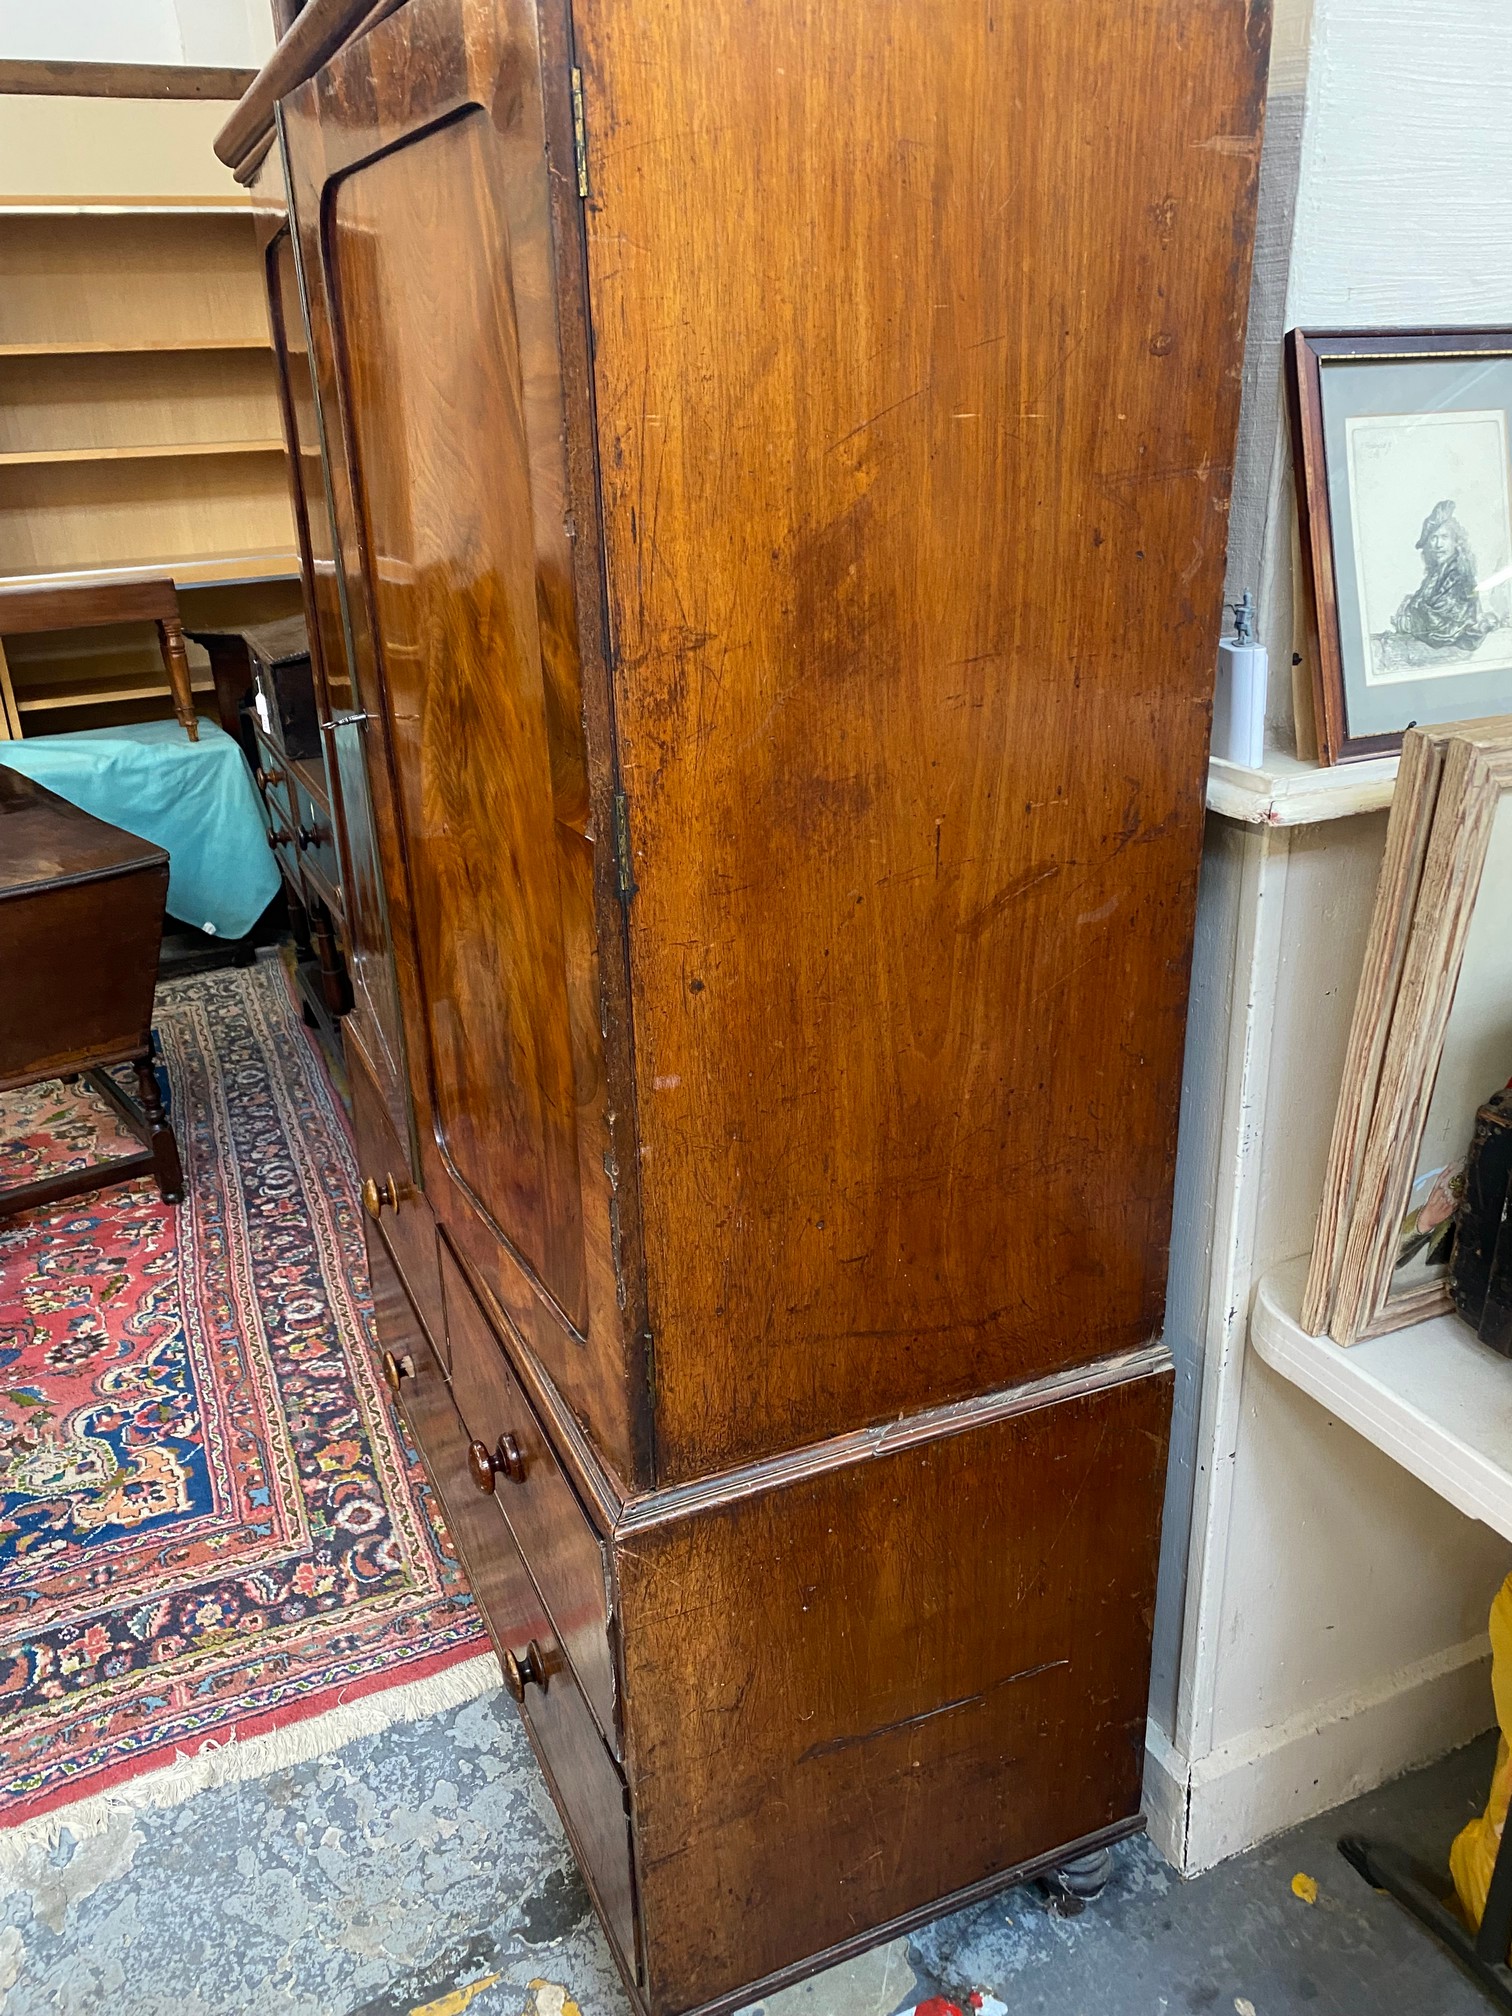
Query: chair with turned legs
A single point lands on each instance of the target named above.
(87, 605)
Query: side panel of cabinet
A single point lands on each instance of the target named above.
(917, 353)
(850, 1696)
(419, 183)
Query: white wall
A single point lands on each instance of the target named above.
(236, 34)
(1325, 1628)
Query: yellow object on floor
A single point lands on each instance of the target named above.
(1473, 1856)
(458, 2000)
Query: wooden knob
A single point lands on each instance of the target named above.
(280, 836)
(267, 777)
(524, 1669)
(505, 1459)
(397, 1370)
(376, 1195)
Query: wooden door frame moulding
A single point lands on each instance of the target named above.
(314, 36)
(59, 79)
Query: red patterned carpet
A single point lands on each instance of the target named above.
(210, 1525)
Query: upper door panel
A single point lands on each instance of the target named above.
(420, 188)
(418, 247)
(918, 330)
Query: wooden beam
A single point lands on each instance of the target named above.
(121, 80)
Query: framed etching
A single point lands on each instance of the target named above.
(1403, 450)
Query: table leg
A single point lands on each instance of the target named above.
(176, 658)
(163, 1142)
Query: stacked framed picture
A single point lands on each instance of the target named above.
(1430, 1041)
(1403, 453)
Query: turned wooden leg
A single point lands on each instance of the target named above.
(164, 1144)
(176, 658)
(299, 923)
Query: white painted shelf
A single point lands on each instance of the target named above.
(1433, 1397)
(1290, 792)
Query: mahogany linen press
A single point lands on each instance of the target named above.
(762, 467)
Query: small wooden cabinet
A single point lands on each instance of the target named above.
(762, 494)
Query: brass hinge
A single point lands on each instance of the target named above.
(624, 865)
(579, 135)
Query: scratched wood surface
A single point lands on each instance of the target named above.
(917, 356)
(880, 1685)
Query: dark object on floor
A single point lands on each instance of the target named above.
(81, 920)
(1482, 1954)
(25, 611)
(185, 950)
(1480, 1272)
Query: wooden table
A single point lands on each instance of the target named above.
(81, 606)
(81, 922)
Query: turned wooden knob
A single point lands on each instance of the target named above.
(504, 1459)
(280, 837)
(374, 1196)
(524, 1669)
(397, 1370)
(267, 777)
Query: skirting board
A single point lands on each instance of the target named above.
(1199, 1812)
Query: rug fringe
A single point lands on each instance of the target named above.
(226, 1761)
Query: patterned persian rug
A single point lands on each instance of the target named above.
(211, 1528)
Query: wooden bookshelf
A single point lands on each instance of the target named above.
(140, 432)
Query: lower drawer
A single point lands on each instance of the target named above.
(587, 1787)
(515, 1465)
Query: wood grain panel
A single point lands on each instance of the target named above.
(873, 1687)
(420, 243)
(917, 347)
(427, 134)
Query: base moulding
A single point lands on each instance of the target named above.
(1199, 1811)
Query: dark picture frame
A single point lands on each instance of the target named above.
(1405, 380)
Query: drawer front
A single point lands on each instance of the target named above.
(587, 1787)
(317, 847)
(533, 1492)
(404, 1216)
(275, 782)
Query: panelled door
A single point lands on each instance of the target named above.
(419, 184)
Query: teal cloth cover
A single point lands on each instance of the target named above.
(197, 800)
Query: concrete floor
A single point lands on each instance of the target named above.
(422, 1872)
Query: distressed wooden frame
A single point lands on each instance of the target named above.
(1430, 883)
(1307, 351)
